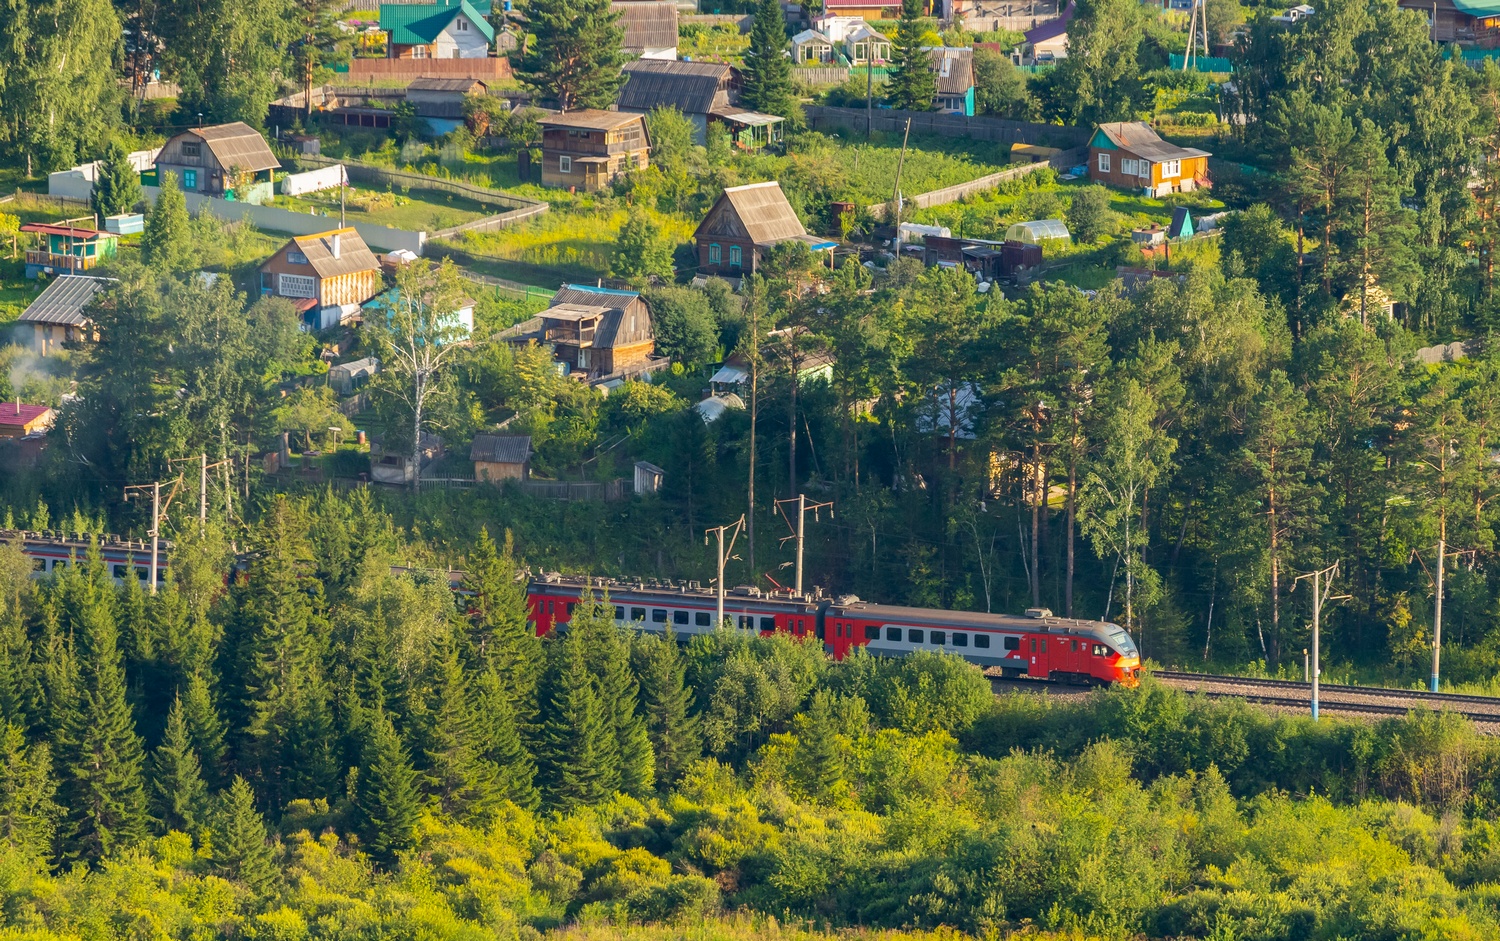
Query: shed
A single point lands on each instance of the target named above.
(650, 28)
(501, 457)
(1035, 233)
(17, 419)
(1182, 224)
(648, 477)
(346, 378)
(57, 315)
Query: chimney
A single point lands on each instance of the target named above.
(336, 244)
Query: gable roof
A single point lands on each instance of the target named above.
(238, 146)
(648, 25)
(859, 4)
(1138, 138)
(592, 119)
(1053, 28)
(63, 301)
(418, 24)
(757, 211)
(573, 301)
(954, 67)
(354, 254)
(500, 449)
(70, 231)
(810, 35)
(690, 87)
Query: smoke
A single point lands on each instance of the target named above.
(25, 370)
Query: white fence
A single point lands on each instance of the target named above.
(78, 183)
(312, 181)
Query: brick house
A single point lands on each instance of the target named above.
(328, 275)
(1131, 156)
(745, 223)
(586, 150)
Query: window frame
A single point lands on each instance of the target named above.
(715, 253)
(960, 639)
(292, 285)
(1104, 163)
(704, 619)
(564, 164)
(680, 616)
(192, 148)
(190, 179)
(767, 623)
(658, 615)
(937, 638)
(736, 257)
(981, 641)
(638, 614)
(893, 634)
(914, 635)
(1171, 169)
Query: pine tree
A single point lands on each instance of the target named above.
(117, 188)
(28, 815)
(241, 848)
(820, 745)
(499, 720)
(176, 777)
(577, 55)
(577, 740)
(913, 85)
(457, 773)
(390, 803)
(167, 242)
(768, 71)
(667, 705)
(103, 787)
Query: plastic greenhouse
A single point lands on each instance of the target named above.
(1035, 233)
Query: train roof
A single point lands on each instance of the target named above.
(1038, 621)
(664, 587)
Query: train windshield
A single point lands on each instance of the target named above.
(1122, 641)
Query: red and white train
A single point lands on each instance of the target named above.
(1035, 645)
(51, 551)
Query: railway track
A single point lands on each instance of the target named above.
(1348, 700)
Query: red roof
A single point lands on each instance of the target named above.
(47, 228)
(858, 4)
(22, 414)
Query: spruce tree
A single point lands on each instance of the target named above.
(913, 85)
(117, 186)
(28, 814)
(667, 703)
(577, 54)
(205, 728)
(820, 743)
(633, 768)
(102, 758)
(176, 777)
(499, 720)
(502, 632)
(768, 70)
(390, 804)
(457, 773)
(237, 837)
(577, 740)
(167, 242)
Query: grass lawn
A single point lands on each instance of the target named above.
(414, 211)
(15, 291)
(563, 245)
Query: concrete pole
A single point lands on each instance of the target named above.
(1316, 666)
(720, 621)
(155, 530)
(202, 490)
(801, 517)
(1437, 613)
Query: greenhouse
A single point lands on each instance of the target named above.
(1035, 233)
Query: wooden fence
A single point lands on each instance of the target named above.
(952, 194)
(998, 130)
(575, 490)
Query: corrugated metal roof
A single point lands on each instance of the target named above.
(954, 67)
(63, 301)
(592, 119)
(354, 255)
(690, 87)
(463, 85)
(416, 24)
(757, 211)
(500, 449)
(235, 146)
(648, 25)
(1138, 138)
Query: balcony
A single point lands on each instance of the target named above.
(60, 263)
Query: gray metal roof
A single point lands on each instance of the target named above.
(690, 87)
(500, 449)
(1138, 138)
(648, 25)
(63, 301)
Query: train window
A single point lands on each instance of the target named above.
(1011, 643)
(143, 574)
(1044, 645)
(551, 606)
(658, 615)
(638, 614)
(913, 636)
(747, 623)
(39, 565)
(571, 606)
(768, 624)
(705, 619)
(960, 640)
(679, 617)
(1100, 650)
(893, 633)
(1033, 645)
(1075, 646)
(872, 633)
(838, 629)
(982, 641)
(940, 638)
(619, 613)
(120, 571)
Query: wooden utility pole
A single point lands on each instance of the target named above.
(896, 191)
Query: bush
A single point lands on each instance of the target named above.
(1089, 215)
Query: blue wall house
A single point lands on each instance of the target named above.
(955, 79)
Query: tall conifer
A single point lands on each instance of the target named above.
(457, 772)
(239, 842)
(390, 803)
(577, 54)
(913, 84)
(176, 777)
(498, 719)
(666, 704)
(28, 814)
(768, 70)
(577, 741)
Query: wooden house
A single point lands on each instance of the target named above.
(501, 457)
(744, 224)
(446, 29)
(650, 27)
(1130, 155)
(865, 9)
(56, 318)
(211, 161)
(697, 89)
(1049, 41)
(955, 79)
(328, 275)
(67, 248)
(599, 334)
(17, 419)
(586, 150)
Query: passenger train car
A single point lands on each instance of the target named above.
(51, 551)
(1034, 645)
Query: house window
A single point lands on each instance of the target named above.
(296, 258)
(1104, 163)
(734, 255)
(564, 164)
(463, 25)
(713, 254)
(190, 179)
(1171, 169)
(192, 149)
(296, 285)
(1127, 166)
(419, 52)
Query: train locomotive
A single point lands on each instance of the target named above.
(1036, 645)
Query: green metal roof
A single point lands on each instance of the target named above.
(413, 24)
(1478, 7)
